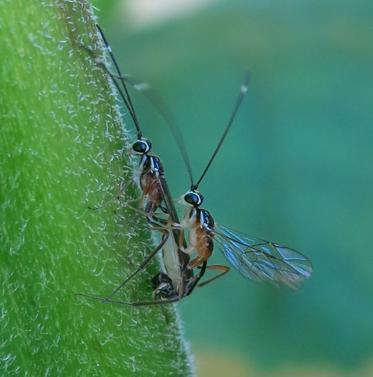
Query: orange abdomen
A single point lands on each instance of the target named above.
(204, 244)
(151, 188)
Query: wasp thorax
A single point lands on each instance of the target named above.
(193, 198)
(141, 146)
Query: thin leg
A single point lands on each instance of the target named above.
(153, 219)
(133, 274)
(197, 261)
(140, 268)
(197, 278)
(137, 303)
(156, 222)
(223, 270)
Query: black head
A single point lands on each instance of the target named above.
(194, 198)
(142, 146)
(163, 288)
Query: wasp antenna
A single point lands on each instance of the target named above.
(125, 96)
(119, 89)
(156, 100)
(172, 124)
(167, 115)
(241, 95)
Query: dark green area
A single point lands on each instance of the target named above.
(297, 167)
(62, 149)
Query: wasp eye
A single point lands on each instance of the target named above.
(141, 146)
(193, 198)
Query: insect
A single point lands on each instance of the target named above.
(254, 258)
(151, 178)
(155, 195)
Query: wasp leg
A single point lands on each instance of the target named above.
(142, 265)
(197, 278)
(134, 273)
(136, 303)
(196, 262)
(223, 270)
(152, 218)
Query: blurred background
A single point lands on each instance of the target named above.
(297, 167)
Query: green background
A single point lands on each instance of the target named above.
(296, 168)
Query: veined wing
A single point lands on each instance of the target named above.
(261, 260)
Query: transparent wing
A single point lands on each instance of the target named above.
(261, 260)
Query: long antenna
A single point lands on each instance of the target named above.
(158, 102)
(127, 101)
(153, 97)
(243, 91)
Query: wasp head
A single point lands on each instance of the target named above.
(193, 198)
(141, 146)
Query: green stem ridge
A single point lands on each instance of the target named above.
(62, 149)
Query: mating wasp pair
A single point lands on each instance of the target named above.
(188, 244)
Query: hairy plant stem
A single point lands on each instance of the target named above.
(62, 149)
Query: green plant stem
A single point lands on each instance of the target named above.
(62, 149)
